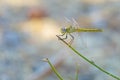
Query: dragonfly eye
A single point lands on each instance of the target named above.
(63, 30)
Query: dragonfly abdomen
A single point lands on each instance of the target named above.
(88, 30)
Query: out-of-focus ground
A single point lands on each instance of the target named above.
(28, 30)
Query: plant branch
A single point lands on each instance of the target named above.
(53, 68)
(89, 61)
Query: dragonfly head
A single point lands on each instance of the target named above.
(63, 30)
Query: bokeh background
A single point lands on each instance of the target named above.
(28, 30)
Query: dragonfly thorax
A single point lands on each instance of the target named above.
(69, 29)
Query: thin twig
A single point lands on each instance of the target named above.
(53, 68)
(89, 61)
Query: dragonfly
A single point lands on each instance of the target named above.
(71, 29)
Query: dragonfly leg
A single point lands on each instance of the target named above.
(71, 39)
(63, 35)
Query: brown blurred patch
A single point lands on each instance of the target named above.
(36, 12)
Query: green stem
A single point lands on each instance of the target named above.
(86, 59)
(77, 73)
(53, 68)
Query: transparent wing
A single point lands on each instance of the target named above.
(72, 22)
(75, 23)
(81, 36)
(68, 21)
(80, 39)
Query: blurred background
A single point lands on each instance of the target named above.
(28, 30)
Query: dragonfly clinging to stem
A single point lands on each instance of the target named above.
(70, 29)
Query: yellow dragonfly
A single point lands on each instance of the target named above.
(71, 29)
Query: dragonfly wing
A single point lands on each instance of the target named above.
(75, 23)
(68, 22)
(72, 22)
(82, 39)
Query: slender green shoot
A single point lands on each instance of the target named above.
(53, 68)
(77, 72)
(89, 61)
